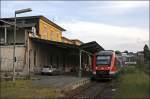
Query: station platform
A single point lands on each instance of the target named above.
(60, 83)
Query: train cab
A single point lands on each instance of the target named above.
(105, 64)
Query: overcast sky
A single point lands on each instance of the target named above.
(115, 25)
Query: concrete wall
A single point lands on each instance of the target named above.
(6, 58)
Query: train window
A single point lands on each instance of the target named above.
(103, 60)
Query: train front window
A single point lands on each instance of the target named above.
(103, 60)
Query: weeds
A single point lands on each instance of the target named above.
(134, 84)
(23, 89)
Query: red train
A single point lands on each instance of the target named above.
(106, 64)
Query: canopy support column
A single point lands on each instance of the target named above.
(80, 67)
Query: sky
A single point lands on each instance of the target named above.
(115, 25)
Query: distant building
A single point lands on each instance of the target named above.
(140, 57)
(129, 58)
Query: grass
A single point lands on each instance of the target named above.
(24, 89)
(133, 84)
(144, 67)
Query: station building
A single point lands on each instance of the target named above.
(39, 42)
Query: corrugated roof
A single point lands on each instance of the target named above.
(91, 47)
(2, 22)
(38, 17)
(55, 43)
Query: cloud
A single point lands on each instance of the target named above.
(122, 7)
(128, 4)
(133, 46)
(109, 36)
(105, 7)
(116, 13)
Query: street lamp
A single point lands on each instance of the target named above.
(14, 42)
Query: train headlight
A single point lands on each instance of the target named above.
(94, 72)
(108, 67)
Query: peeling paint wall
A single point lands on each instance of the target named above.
(49, 32)
(6, 58)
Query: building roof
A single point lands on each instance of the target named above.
(76, 40)
(57, 44)
(91, 47)
(66, 38)
(106, 52)
(4, 23)
(38, 17)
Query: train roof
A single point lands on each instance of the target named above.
(106, 52)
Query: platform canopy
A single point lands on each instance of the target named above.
(91, 47)
(56, 44)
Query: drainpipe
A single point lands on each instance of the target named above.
(5, 35)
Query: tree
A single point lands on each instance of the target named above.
(126, 51)
(117, 52)
(146, 53)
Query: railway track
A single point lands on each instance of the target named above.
(93, 90)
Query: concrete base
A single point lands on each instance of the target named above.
(61, 83)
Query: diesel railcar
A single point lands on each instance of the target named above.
(105, 64)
